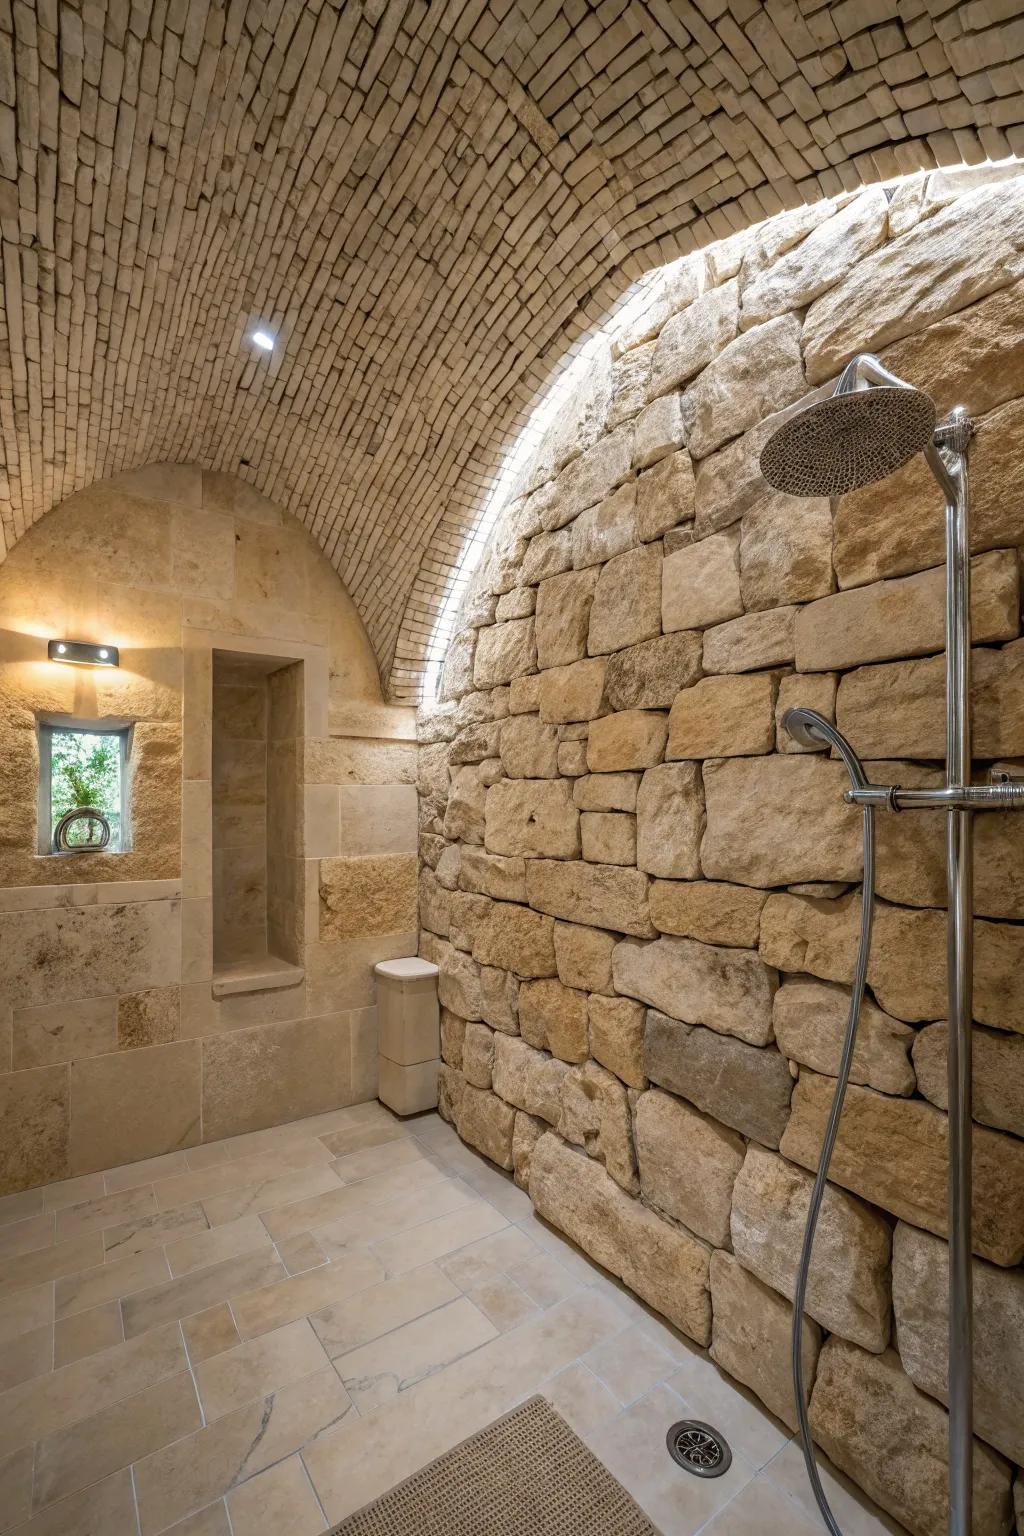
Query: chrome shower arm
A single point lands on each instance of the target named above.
(865, 370)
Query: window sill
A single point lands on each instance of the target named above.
(257, 973)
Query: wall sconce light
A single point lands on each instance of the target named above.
(83, 653)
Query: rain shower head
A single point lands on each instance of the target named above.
(848, 441)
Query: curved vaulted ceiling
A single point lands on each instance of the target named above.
(427, 201)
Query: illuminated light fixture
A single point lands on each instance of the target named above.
(263, 340)
(83, 653)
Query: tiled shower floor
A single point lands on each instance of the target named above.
(262, 1334)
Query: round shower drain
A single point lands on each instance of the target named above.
(699, 1448)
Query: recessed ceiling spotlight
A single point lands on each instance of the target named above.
(263, 340)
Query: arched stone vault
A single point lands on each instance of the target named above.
(427, 201)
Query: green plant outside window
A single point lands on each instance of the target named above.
(86, 770)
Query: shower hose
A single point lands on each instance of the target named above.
(828, 1145)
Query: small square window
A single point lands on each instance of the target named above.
(80, 770)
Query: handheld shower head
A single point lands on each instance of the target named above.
(848, 441)
(810, 729)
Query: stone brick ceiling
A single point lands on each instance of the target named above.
(428, 203)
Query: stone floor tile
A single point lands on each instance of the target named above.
(544, 1279)
(715, 1398)
(210, 1463)
(115, 1437)
(197, 1291)
(48, 1404)
(29, 1354)
(86, 1333)
(16, 1487)
(632, 1447)
(358, 1319)
(20, 1206)
(372, 1223)
(856, 1514)
(105, 1282)
(235, 1173)
(23, 1310)
(246, 1235)
(274, 1138)
(395, 1362)
(89, 1186)
(132, 1175)
(209, 1333)
(300, 1253)
(107, 1507)
(762, 1509)
(211, 1521)
(502, 1301)
(303, 1184)
(630, 1364)
(50, 1263)
(109, 1210)
(584, 1402)
(278, 1500)
(262, 1310)
(353, 1138)
(407, 1250)
(28, 1235)
(155, 1231)
(258, 1368)
(206, 1156)
(307, 1215)
(353, 1166)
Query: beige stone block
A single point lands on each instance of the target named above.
(860, 1400)
(531, 818)
(517, 604)
(606, 530)
(627, 601)
(547, 554)
(606, 792)
(608, 837)
(670, 820)
(785, 551)
(377, 818)
(563, 617)
(688, 1164)
(134, 1104)
(998, 1078)
(750, 378)
(276, 1072)
(344, 761)
(584, 957)
(48, 956)
(589, 478)
(848, 1289)
(649, 675)
(408, 1019)
(453, 1035)
(804, 690)
(690, 340)
(752, 642)
(596, 1116)
(714, 912)
(408, 1090)
(779, 820)
(750, 1336)
(526, 1132)
(701, 584)
(464, 813)
(819, 262)
(630, 373)
(632, 738)
(572, 693)
(658, 431)
(906, 617)
(554, 1017)
(47, 1035)
(148, 1018)
(529, 1079)
(596, 895)
(894, 1153)
(492, 874)
(196, 941)
(486, 1122)
(529, 748)
(514, 938)
(478, 1055)
(35, 1120)
(729, 990)
(504, 651)
(724, 717)
(616, 1026)
(664, 1265)
(810, 1019)
(368, 895)
(202, 554)
(920, 1293)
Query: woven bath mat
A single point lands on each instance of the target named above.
(525, 1475)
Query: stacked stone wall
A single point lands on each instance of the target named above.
(643, 895)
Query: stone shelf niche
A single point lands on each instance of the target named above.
(257, 833)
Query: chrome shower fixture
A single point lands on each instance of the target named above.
(872, 425)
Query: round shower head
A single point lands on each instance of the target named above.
(848, 441)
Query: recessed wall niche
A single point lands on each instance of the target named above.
(257, 731)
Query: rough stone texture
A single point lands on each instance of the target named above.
(464, 815)
(665, 496)
(750, 378)
(729, 990)
(589, 478)
(453, 1035)
(575, 692)
(906, 617)
(712, 912)
(804, 691)
(785, 551)
(553, 1017)
(596, 1116)
(486, 1121)
(598, 895)
(531, 818)
(584, 956)
(499, 999)
(691, 339)
(920, 1294)
(602, 532)
(492, 875)
(606, 792)
(478, 1055)
(608, 837)
(503, 652)
(779, 820)
(663, 1265)
(819, 262)
(754, 641)
(810, 1020)
(526, 1132)
(848, 1288)
(750, 1336)
(670, 820)
(894, 1153)
(998, 1085)
(700, 586)
(529, 1079)
(658, 431)
(743, 1086)
(724, 717)
(617, 1036)
(649, 675)
(632, 738)
(563, 617)
(516, 939)
(688, 1164)
(529, 748)
(547, 554)
(861, 1401)
(627, 601)
(372, 894)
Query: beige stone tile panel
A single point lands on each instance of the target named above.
(26, 1309)
(407, 1250)
(32, 1269)
(238, 1172)
(261, 1310)
(53, 1033)
(86, 1333)
(374, 894)
(27, 1236)
(303, 1184)
(373, 1223)
(15, 1487)
(28, 1355)
(34, 1122)
(134, 1104)
(107, 1282)
(209, 1333)
(278, 1499)
(196, 1291)
(107, 1506)
(108, 1211)
(134, 1175)
(133, 1237)
(247, 1235)
(257, 1077)
(380, 1370)
(258, 1367)
(346, 1325)
(307, 1215)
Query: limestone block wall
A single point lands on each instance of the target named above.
(643, 896)
(118, 1039)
